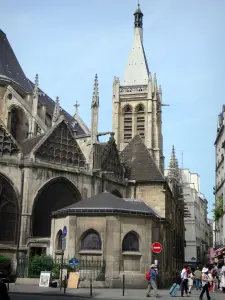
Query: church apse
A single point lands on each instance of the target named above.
(55, 195)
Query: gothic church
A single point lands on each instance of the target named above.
(54, 171)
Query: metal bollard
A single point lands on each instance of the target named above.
(91, 287)
(64, 286)
(123, 284)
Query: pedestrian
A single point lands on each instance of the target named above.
(198, 278)
(3, 291)
(184, 284)
(190, 280)
(205, 284)
(152, 273)
(215, 277)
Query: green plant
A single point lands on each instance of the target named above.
(56, 271)
(40, 263)
(5, 264)
(218, 208)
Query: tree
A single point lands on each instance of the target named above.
(218, 208)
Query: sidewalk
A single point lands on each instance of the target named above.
(107, 294)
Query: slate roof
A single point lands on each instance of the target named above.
(139, 163)
(28, 144)
(10, 68)
(108, 203)
(9, 65)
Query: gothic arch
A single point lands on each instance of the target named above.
(131, 242)
(56, 194)
(91, 240)
(140, 108)
(116, 193)
(18, 122)
(127, 109)
(9, 211)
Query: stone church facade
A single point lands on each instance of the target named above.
(50, 160)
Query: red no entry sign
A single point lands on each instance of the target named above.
(156, 247)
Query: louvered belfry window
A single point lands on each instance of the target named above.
(127, 124)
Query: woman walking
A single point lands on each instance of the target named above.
(205, 284)
(190, 281)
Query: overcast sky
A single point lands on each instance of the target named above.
(67, 42)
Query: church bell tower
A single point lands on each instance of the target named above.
(137, 100)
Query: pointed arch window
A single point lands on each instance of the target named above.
(130, 242)
(91, 241)
(59, 240)
(140, 120)
(127, 124)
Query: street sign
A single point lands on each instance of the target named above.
(156, 247)
(64, 231)
(74, 262)
(63, 243)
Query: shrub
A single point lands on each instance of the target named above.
(5, 264)
(40, 263)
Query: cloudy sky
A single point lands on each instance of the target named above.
(67, 42)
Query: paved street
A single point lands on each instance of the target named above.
(27, 292)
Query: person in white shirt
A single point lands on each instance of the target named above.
(205, 284)
(184, 285)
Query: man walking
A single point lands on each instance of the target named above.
(198, 278)
(184, 281)
(151, 281)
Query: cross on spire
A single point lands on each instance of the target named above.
(76, 108)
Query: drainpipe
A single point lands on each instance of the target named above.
(19, 222)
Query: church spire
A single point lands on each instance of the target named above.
(94, 112)
(174, 172)
(56, 113)
(137, 72)
(95, 97)
(138, 17)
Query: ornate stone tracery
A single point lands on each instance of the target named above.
(7, 145)
(61, 148)
(111, 159)
(134, 89)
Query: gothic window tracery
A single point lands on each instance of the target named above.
(140, 120)
(91, 241)
(61, 148)
(127, 114)
(130, 242)
(7, 145)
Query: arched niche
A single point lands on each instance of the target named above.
(9, 212)
(116, 193)
(18, 123)
(130, 242)
(54, 195)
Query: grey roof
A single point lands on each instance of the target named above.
(9, 65)
(139, 163)
(10, 68)
(108, 203)
(28, 144)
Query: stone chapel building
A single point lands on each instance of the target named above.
(53, 166)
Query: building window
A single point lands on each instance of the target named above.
(140, 120)
(58, 241)
(130, 242)
(91, 241)
(127, 126)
